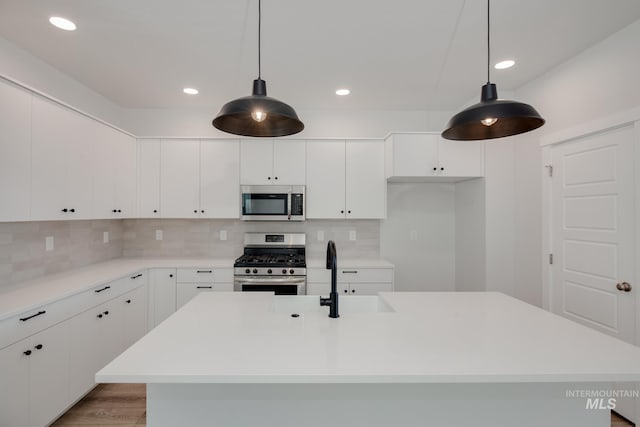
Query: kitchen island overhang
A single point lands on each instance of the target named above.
(413, 356)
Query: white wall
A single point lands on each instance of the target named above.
(19, 65)
(470, 222)
(598, 82)
(427, 210)
(318, 123)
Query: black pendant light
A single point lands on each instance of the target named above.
(492, 117)
(258, 114)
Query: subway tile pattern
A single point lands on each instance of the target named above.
(76, 243)
(201, 237)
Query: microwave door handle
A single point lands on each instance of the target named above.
(289, 205)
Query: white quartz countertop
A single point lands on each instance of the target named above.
(350, 263)
(44, 290)
(428, 338)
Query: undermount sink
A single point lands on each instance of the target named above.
(301, 304)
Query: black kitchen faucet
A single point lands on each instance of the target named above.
(332, 262)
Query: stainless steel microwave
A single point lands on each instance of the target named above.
(273, 202)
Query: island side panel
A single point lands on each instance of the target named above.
(371, 405)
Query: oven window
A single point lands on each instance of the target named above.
(278, 289)
(264, 204)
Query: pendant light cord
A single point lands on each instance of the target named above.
(259, 37)
(488, 41)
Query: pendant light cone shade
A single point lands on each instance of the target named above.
(258, 115)
(492, 117)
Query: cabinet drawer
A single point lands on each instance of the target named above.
(365, 275)
(105, 292)
(186, 291)
(205, 274)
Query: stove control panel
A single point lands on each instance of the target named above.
(273, 271)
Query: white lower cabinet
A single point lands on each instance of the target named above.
(162, 295)
(192, 281)
(34, 375)
(350, 281)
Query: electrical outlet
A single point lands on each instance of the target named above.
(105, 237)
(48, 243)
(223, 234)
(352, 234)
(158, 234)
(413, 235)
(320, 236)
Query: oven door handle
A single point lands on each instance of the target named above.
(270, 280)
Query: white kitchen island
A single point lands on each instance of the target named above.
(401, 359)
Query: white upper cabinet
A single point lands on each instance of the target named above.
(15, 153)
(180, 178)
(345, 179)
(278, 162)
(62, 162)
(148, 178)
(423, 156)
(325, 179)
(220, 178)
(365, 183)
(199, 179)
(114, 174)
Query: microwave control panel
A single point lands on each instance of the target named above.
(297, 204)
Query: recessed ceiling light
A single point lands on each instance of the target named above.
(504, 64)
(62, 23)
(190, 91)
(343, 92)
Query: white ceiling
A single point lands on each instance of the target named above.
(401, 54)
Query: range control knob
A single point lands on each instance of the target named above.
(269, 271)
(255, 271)
(291, 271)
(284, 271)
(247, 271)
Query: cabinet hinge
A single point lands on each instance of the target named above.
(550, 258)
(549, 169)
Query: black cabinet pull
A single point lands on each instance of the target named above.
(128, 301)
(202, 211)
(345, 291)
(205, 271)
(441, 169)
(341, 211)
(27, 353)
(353, 291)
(119, 210)
(136, 276)
(155, 211)
(100, 316)
(269, 178)
(38, 347)
(435, 169)
(65, 210)
(171, 275)
(204, 287)
(41, 312)
(106, 313)
(348, 211)
(114, 211)
(276, 177)
(195, 211)
(72, 210)
(97, 291)
(349, 271)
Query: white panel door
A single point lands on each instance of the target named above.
(15, 153)
(325, 179)
(162, 295)
(289, 162)
(80, 163)
(148, 178)
(180, 181)
(220, 178)
(134, 311)
(593, 231)
(256, 162)
(366, 185)
(104, 203)
(84, 351)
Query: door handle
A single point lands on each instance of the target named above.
(624, 286)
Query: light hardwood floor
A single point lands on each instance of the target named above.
(124, 405)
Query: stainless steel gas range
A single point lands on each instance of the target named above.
(272, 262)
